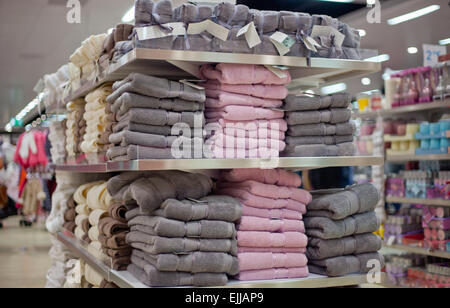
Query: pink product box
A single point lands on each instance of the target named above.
(395, 187)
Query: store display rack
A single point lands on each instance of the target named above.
(440, 106)
(431, 202)
(420, 250)
(180, 64)
(123, 279)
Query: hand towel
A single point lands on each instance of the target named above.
(320, 150)
(332, 116)
(220, 99)
(326, 228)
(274, 273)
(161, 117)
(307, 103)
(273, 92)
(122, 32)
(160, 226)
(327, 140)
(271, 213)
(232, 15)
(243, 113)
(96, 216)
(134, 152)
(242, 74)
(301, 250)
(265, 21)
(158, 245)
(252, 125)
(341, 266)
(195, 262)
(118, 253)
(125, 138)
(142, 128)
(148, 12)
(118, 212)
(269, 239)
(265, 260)
(338, 205)
(278, 177)
(250, 223)
(215, 151)
(110, 227)
(319, 249)
(225, 141)
(261, 133)
(192, 13)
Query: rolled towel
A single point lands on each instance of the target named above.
(110, 227)
(307, 103)
(274, 92)
(293, 22)
(319, 249)
(269, 239)
(278, 177)
(117, 253)
(265, 260)
(123, 32)
(326, 228)
(332, 116)
(265, 21)
(249, 223)
(342, 203)
(142, 128)
(117, 241)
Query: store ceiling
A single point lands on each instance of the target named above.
(36, 38)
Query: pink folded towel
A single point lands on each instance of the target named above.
(270, 191)
(274, 214)
(225, 141)
(252, 125)
(249, 223)
(261, 133)
(263, 202)
(271, 250)
(274, 273)
(269, 239)
(220, 99)
(265, 260)
(242, 74)
(261, 91)
(278, 177)
(243, 113)
(232, 153)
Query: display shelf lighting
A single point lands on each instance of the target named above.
(413, 50)
(362, 32)
(379, 59)
(335, 88)
(444, 42)
(366, 81)
(412, 15)
(129, 15)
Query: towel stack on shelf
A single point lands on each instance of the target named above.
(55, 85)
(58, 141)
(340, 225)
(75, 127)
(271, 233)
(241, 111)
(98, 121)
(153, 116)
(319, 126)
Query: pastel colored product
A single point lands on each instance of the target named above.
(250, 125)
(260, 260)
(272, 249)
(278, 177)
(257, 90)
(225, 141)
(243, 113)
(274, 273)
(269, 239)
(250, 223)
(271, 213)
(220, 99)
(232, 153)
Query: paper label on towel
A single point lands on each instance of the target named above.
(391, 240)
(328, 31)
(277, 71)
(196, 201)
(154, 32)
(193, 85)
(211, 27)
(282, 42)
(251, 35)
(311, 43)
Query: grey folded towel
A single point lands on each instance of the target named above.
(221, 208)
(160, 226)
(133, 100)
(156, 244)
(142, 128)
(328, 140)
(265, 21)
(324, 20)
(195, 262)
(231, 15)
(326, 228)
(149, 13)
(134, 152)
(150, 276)
(190, 13)
(322, 129)
(320, 150)
(341, 266)
(333, 116)
(155, 87)
(338, 204)
(319, 249)
(352, 36)
(293, 22)
(125, 138)
(161, 117)
(305, 103)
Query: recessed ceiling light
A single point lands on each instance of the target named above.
(444, 42)
(335, 88)
(362, 32)
(412, 15)
(366, 81)
(380, 58)
(129, 15)
(412, 50)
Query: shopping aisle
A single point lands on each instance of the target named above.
(24, 259)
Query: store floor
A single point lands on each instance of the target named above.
(24, 259)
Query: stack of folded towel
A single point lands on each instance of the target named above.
(75, 127)
(340, 225)
(98, 122)
(271, 234)
(57, 139)
(154, 114)
(241, 109)
(319, 126)
(54, 88)
(69, 216)
(120, 33)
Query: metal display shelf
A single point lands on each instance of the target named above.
(124, 279)
(407, 158)
(181, 64)
(420, 250)
(295, 163)
(431, 202)
(436, 106)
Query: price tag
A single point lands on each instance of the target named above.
(311, 43)
(211, 27)
(282, 42)
(431, 53)
(277, 71)
(327, 32)
(154, 32)
(251, 35)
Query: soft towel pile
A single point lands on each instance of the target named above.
(156, 118)
(271, 234)
(57, 139)
(75, 127)
(319, 126)
(340, 226)
(241, 111)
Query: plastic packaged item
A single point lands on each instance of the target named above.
(363, 102)
(375, 100)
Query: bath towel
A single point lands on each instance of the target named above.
(231, 15)
(142, 128)
(261, 133)
(332, 116)
(190, 13)
(220, 99)
(320, 150)
(252, 125)
(301, 250)
(225, 141)
(125, 138)
(250, 223)
(110, 227)
(265, 21)
(265, 260)
(270, 213)
(148, 12)
(243, 113)
(273, 92)
(293, 22)
(327, 140)
(161, 117)
(118, 212)
(322, 129)
(306, 103)
(274, 273)
(269, 239)
(278, 177)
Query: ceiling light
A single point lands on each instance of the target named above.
(129, 16)
(412, 15)
(366, 81)
(370, 2)
(412, 50)
(380, 58)
(362, 32)
(444, 42)
(335, 88)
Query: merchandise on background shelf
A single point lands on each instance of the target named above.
(400, 138)
(433, 138)
(436, 224)
(405, 225)
(75, 127)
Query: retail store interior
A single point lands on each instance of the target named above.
(207, 143)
